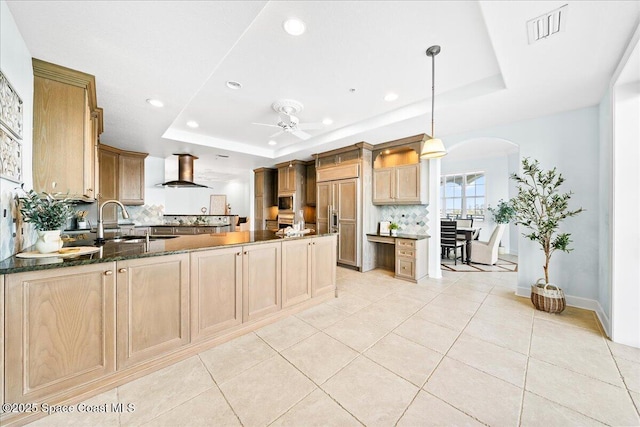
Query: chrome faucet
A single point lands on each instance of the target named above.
(100, 230)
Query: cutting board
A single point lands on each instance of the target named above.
(83, 250)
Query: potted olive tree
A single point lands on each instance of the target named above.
(48, 214)
(540, 207)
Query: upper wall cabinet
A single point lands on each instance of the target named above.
(121, 178)
(66, 125)
(399, 176)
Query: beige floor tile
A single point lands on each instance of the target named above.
(411, 361)
(368, 290)
(428, 334)
(82, 417)
(234, 357)
(319, 356)
(370, 392)
(492, 359)
(455, 303)
(356, 333)
(444, 316)
(417, 292)
(594, 398)
(382, 314)
(500, 315)
(465, 292)
(580, 350)
(630, 373)
(520, 306)
(348, 302)
(286, 332)
(537, 411)
(429, 411)
(207, 409)
(322, 316)
(401, 303)
(636, 399)
(573, 316)
(622, 351)
(265, 392)
(316, 410)
(511, 336)
(163, 390)
(482, 396)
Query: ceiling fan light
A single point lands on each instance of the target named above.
(272, 142)
(433, 149)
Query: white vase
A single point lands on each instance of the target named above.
(48, 241)
(394, 232)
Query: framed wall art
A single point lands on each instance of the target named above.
(10, 157)
(10, 107)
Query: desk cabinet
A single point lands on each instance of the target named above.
(411, 259)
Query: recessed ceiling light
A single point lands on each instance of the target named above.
(294, 26)
(234, 85)
(155, 102)
(391, 97)
(192, 124)
(272, 142)
(327, 121)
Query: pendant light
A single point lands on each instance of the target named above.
(433, 148)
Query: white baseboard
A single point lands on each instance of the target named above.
(578, 302)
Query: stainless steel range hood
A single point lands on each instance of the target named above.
(185, 173)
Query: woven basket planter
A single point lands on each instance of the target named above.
(546, 297)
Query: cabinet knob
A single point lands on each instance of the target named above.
(108, 273)
(122, 270)
(245, 252)
(238, 254)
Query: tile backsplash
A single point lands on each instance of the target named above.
(146, 214)
(411, 219)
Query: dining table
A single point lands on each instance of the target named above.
(468, 233)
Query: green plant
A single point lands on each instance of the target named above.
(45, 211)
(393, 226)
(540, 207)
(504, 213)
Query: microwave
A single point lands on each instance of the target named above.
(285, 202)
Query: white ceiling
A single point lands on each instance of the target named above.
(183, 52)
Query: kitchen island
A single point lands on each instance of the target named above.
(83, 325)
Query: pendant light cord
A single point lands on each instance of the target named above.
(433, 92)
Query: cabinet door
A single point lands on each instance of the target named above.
(108, 184)
(216, 291)
(59, 115)
(153, 307)
(291, 178)
(311, 185)
(62, 330)
(407, 183)
(383, 185)
(323, 265)
(283, 174)
(261, 280)
(296, 271)
(131, 179)
(259, 213)
(347, 197)
(323, 201)
(259, 184)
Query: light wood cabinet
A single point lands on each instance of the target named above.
(266, 197)
(411, 259)
(153, 307)
(66, 125)
(399, 175)
(261, 280)
(337, 211)
(296, 271)
(287, 179)
(121, 177)
(323, 265)
(62, 332)
(216, 291)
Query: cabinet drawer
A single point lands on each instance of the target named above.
(405, 268)
(407, 253)
(405, 243)
(184, 230)
(161, 230)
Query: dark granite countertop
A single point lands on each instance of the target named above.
(112, 251)
(402, 236)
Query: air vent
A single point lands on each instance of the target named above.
(546, 25)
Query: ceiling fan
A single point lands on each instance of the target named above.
(292, 124)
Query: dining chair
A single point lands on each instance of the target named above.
(487, 252)
(448, 241)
